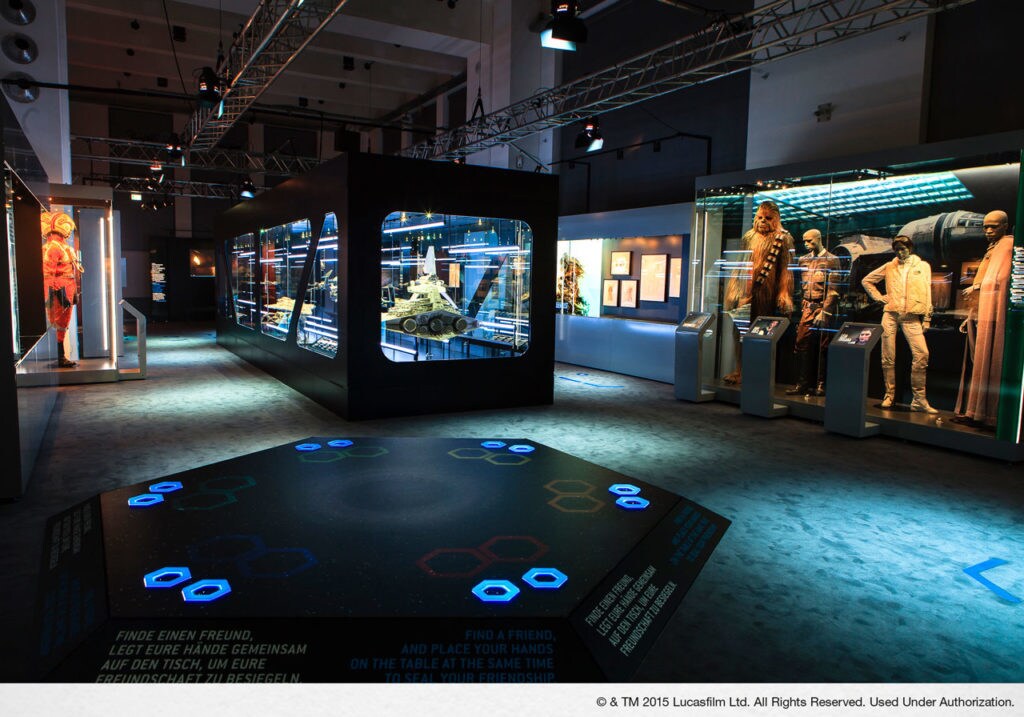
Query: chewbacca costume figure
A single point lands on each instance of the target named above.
(60, 277)
(768, 288)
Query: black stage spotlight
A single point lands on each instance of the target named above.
(564, 29)
(590, 137)
(247, 190)
(210, 89)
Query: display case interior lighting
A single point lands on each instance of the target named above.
(414, 227)
(871, 195)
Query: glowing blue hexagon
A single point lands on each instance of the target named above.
(624, 489)
(545, 578)
(166, 577)
(339, 443)
(493, 444)
(308, 447)
(167, 486)
(145, 500)
(205, 591)
(632, 502)
(521, 448)
(495, 591)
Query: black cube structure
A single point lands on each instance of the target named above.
(370, 560)
(382, 286)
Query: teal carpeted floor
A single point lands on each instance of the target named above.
(844, 562)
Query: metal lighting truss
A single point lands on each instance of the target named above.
(779, 28)
(124, 151)
(168, 187)
(274, 36)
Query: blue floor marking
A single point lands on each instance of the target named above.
(975, 572)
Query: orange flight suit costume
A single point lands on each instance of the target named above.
(60, 276)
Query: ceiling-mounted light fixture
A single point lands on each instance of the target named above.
(247, 190)
(590, 137)
(564, 29)
(210, 87)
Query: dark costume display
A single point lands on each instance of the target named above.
(60, 277)
(818, 306)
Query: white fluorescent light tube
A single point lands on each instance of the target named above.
(428, 225)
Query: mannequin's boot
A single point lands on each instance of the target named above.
(803, 382)
(917, 386)
(62, 360)
(889, 375)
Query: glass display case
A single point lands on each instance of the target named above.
(454, 287)
(282, 258)
(318, 316)
(949, 356)
(242, 251)
(375, 312)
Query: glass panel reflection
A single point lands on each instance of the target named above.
(282, 258)
(454, 287)
(318, 316)
(243, 280)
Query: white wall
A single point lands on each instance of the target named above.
(45, 121)
(876, 84)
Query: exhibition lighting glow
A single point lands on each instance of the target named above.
(590, 137)
(428, 225)
(868, 195)
(564, 30)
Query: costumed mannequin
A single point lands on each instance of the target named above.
(908, 305)
(769, 287)
(985, 325)
(60, 277)
(818, 270)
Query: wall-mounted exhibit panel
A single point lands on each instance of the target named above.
(370, 282)
(921, 245)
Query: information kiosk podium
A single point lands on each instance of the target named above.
(847, 387)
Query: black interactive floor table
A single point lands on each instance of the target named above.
(370, 559)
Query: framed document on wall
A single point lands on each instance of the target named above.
(621, 263)
(675, 277)
(653, 276)
(627, 293)
(611, 293)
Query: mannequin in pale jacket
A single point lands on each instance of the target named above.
(908, 305)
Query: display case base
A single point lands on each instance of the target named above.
(934, 430)
(370, 560)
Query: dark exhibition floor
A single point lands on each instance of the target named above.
(844, 561)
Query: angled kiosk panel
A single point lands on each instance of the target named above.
(757, 395)
(847, 389)
(689, 358)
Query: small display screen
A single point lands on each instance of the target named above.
(855, 334)
(694, 320)
(763, 327)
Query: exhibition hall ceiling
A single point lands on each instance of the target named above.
(400, 50)
(377, 60)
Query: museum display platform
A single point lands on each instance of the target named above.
(370, 560)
